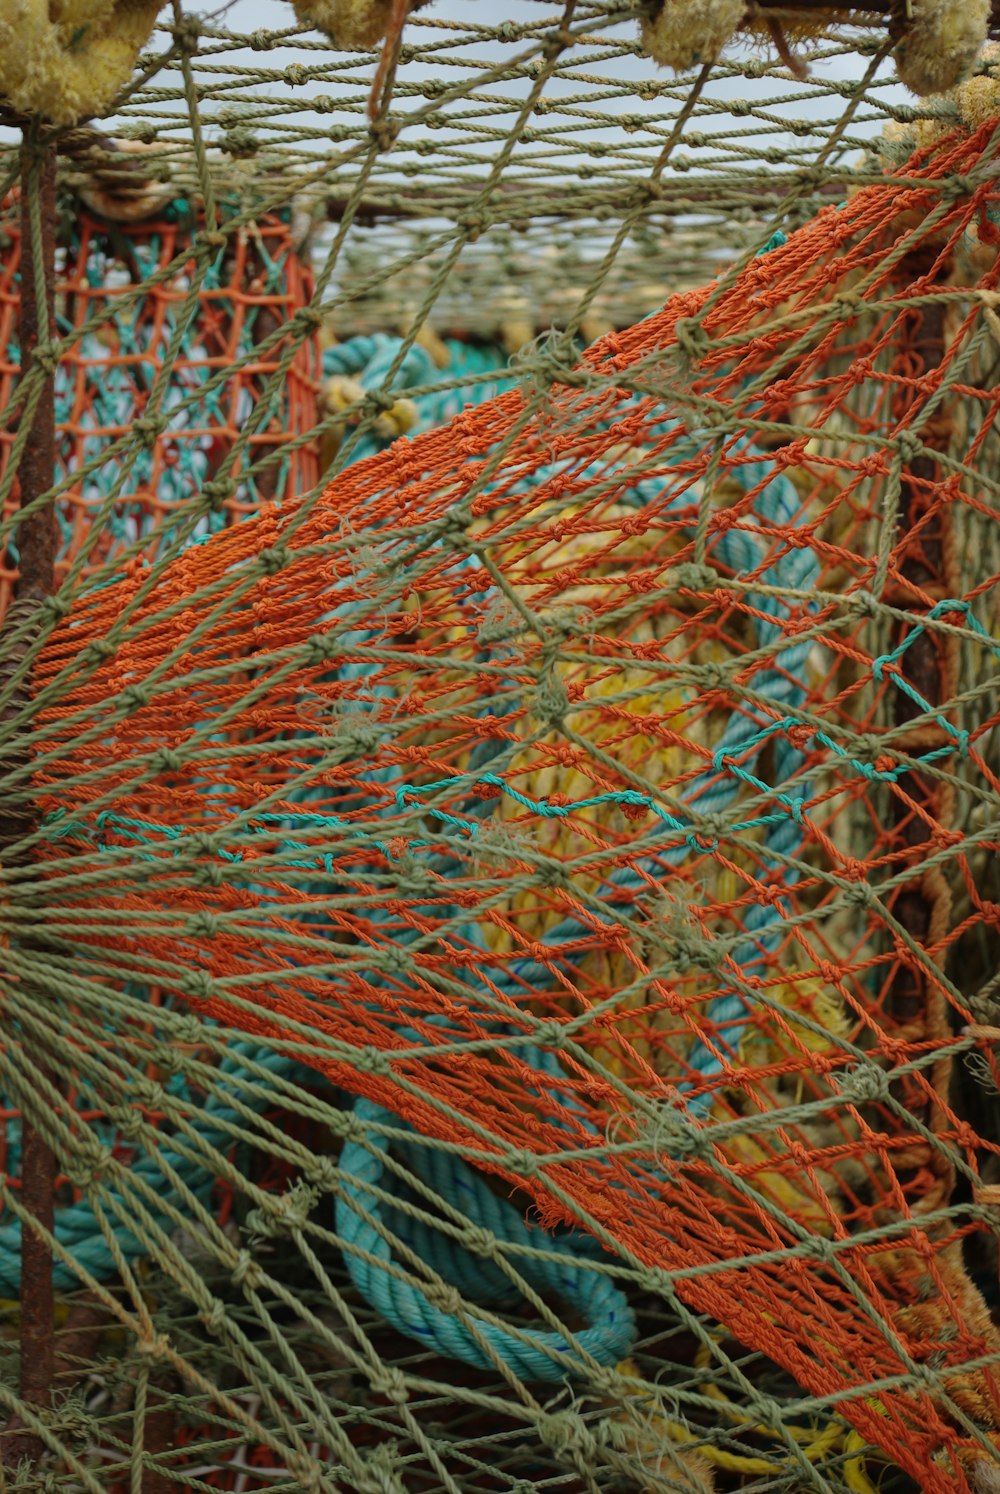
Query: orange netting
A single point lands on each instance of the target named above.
(637, 719)
(154, 337)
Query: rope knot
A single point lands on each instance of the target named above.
(187, 34)
(156, 1345)
(818, 1248)
(501, 621)
(171, 1063)
(46, 355)
(524, 1163)
(565, 1432)
(447, 1299)
(865, 1084)
(693, 577)
(868, 748)
(453, 529)
(149, 428)
(91, 1162)
(130, 1121)
(189, 1030)
(214, 1317)
(846, 306)
(552, 874)
(307, 319)
(669, 1133)
(273, 560)
(167, 760)
(56, 607)
(480, 1241)
(284, 1215)
(216, 493)
(321, 648)
(550, 702)
(203, 924)
(197, 983)
(954, 188)
(133, 698)
(354, 735)
(246, 1272)
(910, 446)
(713, 824)
(474, 224)
(100, 650)
(373, 1060)
(390, 1383)
(860, 895)
(240, 143)
(692, 339)
(861, 604)
(714, 676)
(383, 133)
(767, 1411)
(323, 1174)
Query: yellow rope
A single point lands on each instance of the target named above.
(816, 1443)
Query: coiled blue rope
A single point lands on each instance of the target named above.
(77, 1227)
(532, 1355)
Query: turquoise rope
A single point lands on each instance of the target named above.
(76, 1225)
(367, 360)
(532, 1355)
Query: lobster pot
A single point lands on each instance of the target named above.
(511, 896)
(184, 396)
(592, 679)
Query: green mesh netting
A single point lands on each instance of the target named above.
(681, 1181)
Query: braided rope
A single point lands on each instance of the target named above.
(460, 1333)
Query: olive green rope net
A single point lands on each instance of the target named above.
(500, 808)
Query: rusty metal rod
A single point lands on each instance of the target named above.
(36, 535)
(880, 9)
(36, 539)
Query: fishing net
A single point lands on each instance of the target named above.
(150, 333)
(500, 905)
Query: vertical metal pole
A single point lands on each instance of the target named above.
(916, 1007)
(916, 1004)
(36, 536)
(36, 541)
